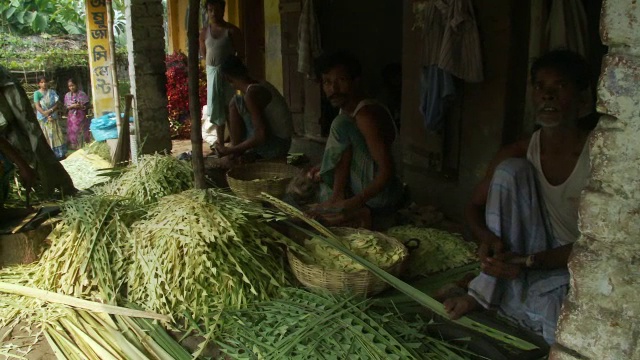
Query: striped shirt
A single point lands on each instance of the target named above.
(451, 39)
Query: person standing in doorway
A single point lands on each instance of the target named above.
(218, 40)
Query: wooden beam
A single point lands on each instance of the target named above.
(194, 96)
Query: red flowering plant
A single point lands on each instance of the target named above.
(178, 94)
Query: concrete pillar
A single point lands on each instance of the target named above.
(601, 318)
(146, 48)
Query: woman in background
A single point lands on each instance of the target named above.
(76, 102)
(46, 101)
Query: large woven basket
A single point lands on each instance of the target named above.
(360, 282)
(250, 180)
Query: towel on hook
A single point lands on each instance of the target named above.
(436, 89)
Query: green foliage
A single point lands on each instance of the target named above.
(45, 52)
(28, 17)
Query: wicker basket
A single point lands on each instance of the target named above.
(250, 180)
(336, 281)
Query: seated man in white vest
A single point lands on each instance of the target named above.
(260, 121)
(524, 213)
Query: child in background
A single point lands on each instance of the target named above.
(76, 102)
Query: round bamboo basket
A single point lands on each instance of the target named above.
(335, 281)
(250, 180)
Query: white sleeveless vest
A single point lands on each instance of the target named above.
(562, 200)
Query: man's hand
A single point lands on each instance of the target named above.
(314, 174)
(221, 150)
(351, 203)
(490, 245)
(328, 206)
(504, 266)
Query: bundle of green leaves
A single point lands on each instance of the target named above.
(437, 250)
(89, 248)
(153, 177)
(200, 251)
(304, 325)
(367, 245)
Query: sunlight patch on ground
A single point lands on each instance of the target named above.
(83, 169)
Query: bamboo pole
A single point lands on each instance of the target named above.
(57, 298)
(122, 154)
(194, 96)
(112, 63)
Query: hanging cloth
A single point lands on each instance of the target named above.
(567, 26)
(452, 41)
(452, 48)
(436, 88)
(308, 39)
(561, 25)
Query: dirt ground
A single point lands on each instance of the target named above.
(310, 147)
(20, 338)
(181, 146)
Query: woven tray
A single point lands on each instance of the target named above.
(360, 282)
(250, 180)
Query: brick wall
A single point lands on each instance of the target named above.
(146, 48)
(601, 318)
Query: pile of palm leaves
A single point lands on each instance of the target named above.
(89, 248)
(152, 178)
(303, 325)
(99, 148)
(437, 250)
(200, 251)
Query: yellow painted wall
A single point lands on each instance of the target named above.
(100, 58)
(177, 20)
(273, 44)
(232, 13)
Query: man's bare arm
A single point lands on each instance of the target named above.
(509, 266)
(554, 258)
(369, 121)
(475, 210)
(255, 102)
(203, 37)
(341, 175)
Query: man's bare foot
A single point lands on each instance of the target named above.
(458, 306)
(448, 291)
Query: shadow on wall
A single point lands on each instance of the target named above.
(369, 29)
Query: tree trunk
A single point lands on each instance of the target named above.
(194, 96)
